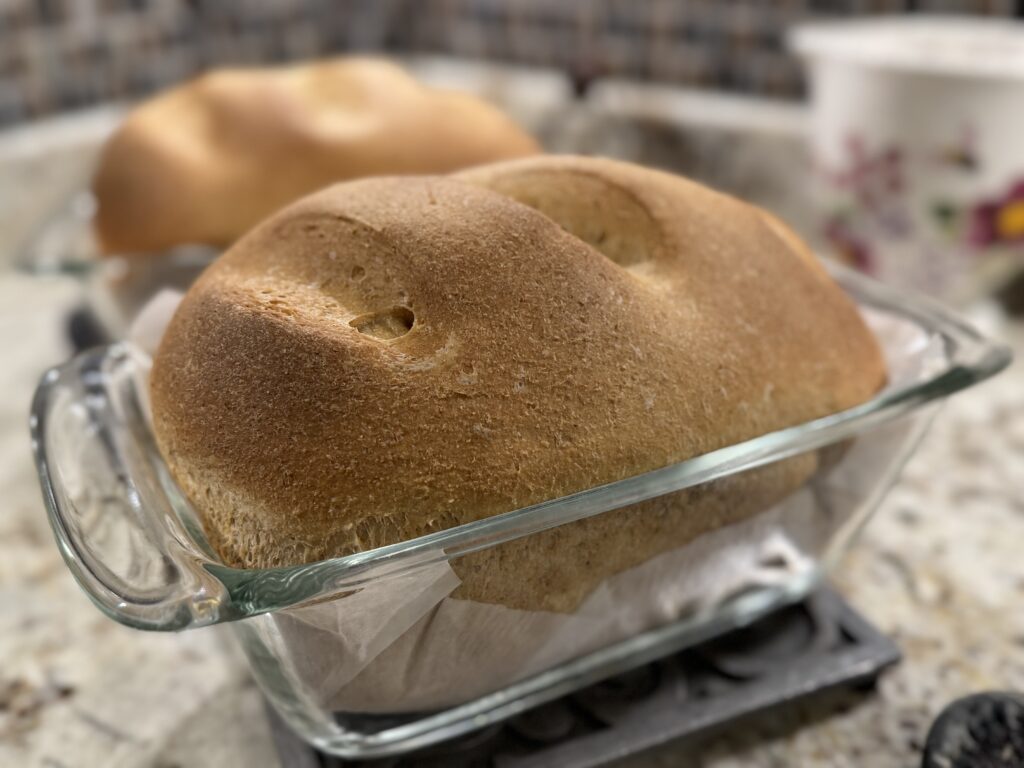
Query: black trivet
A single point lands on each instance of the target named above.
(796, 652)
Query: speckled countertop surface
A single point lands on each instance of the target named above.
(939, 568)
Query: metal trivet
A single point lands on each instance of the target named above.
(796, 652)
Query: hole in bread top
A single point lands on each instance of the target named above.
(386, 324)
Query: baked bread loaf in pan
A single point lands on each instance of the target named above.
(204, 162)
(395, 356)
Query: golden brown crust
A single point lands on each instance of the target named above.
(392, 357)
(204, 162)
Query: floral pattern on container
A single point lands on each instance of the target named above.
(874, 204)
(849, 247)
(960, 155)
(999, 221)
(874, 179)
(873, 183)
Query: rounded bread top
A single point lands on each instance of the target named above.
(204, 162)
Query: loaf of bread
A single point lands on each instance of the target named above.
(392, 357)
(204, 162)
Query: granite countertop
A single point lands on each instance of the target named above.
(939, 569)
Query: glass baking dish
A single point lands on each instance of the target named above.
(370, 655)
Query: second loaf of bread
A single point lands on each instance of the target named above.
(204, 162)
(397, 356)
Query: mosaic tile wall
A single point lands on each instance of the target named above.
(65, 54)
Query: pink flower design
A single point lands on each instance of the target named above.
(850, 248)
(874, 178)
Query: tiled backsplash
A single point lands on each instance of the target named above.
(63, 54)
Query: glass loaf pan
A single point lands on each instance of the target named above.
(369, 655)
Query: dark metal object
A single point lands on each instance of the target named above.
(85, 330)
(799, 651)
(1011, 295)
(985, 730)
